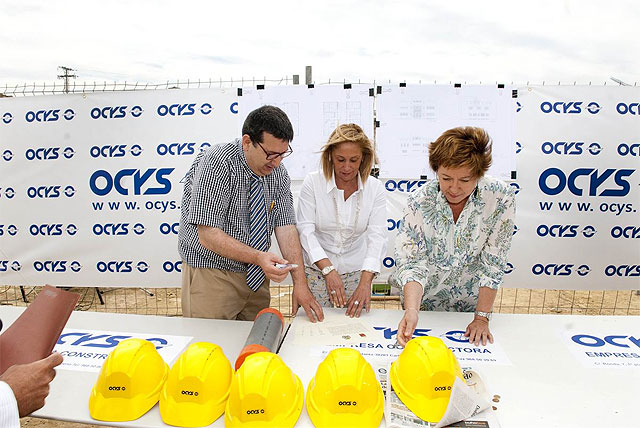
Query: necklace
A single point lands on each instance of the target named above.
(343, 231)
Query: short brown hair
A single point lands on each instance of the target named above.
(349, 133)
(462, 147)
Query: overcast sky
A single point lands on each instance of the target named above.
(461, 41)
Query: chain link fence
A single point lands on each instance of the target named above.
(74, 87)
(166, 301)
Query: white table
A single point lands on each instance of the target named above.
(544, 386)
(69, 395)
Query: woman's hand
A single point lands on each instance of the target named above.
(478, 330)
(407, 325)
(359, 300)
(335, 288)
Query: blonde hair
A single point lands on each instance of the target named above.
(462, 147)
(348, 133)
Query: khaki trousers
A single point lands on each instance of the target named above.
(221, 294)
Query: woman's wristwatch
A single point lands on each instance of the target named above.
(327, 270)
(486, 315)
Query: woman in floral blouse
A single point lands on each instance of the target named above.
(452, 245)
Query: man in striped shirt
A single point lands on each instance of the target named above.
(221, 260)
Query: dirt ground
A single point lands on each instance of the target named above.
(166, 302)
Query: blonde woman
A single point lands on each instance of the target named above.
(341, 219)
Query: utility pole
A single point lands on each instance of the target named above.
(308, 79)
(66, 77)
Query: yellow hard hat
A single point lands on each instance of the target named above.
(345, 392)
(197, 388)
(264, 393)
(129, 382)
(423, 376)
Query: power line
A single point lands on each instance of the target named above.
(66, 77)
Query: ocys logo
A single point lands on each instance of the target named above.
(100, 340)
(631, 108)
(172, 266)
(169, 228)
(6, 265)
(8, 230)
(622, 270)
(121, 266)
(7, 118)
(570, 148)
(53, 229)
(114, 151)
(56, 266)
(52, 115)
(516, 187)
(393, 224)
(622, 341)
(569, 107)
(508, 268)
(117, 229)
(610, 182)
(187, 109)
(404, 185)
(629, 149)
(7, 155)
(388, 262)
(180, 149)
(625, 232)
(565, 230)
(115, 112)
(154, 181)
(49, 153)
(48, 192)
(7, 192)
(559, 269)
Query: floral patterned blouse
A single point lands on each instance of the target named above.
(451, 261)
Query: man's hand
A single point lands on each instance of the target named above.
(302, 297)
(30, 382)
(267, 261)
(478, 330)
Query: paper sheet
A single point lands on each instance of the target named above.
(336, 329)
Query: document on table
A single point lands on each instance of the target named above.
(336, 329)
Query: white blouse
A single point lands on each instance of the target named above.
(351, 233)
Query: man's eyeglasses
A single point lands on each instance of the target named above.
(275, 155)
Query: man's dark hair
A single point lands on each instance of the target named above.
(267, 119)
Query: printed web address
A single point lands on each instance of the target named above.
(161, 206)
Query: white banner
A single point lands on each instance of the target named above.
(577, 219)
(90, 184)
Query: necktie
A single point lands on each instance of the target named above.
(257, 230)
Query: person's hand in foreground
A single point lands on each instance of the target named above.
(30, 382)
